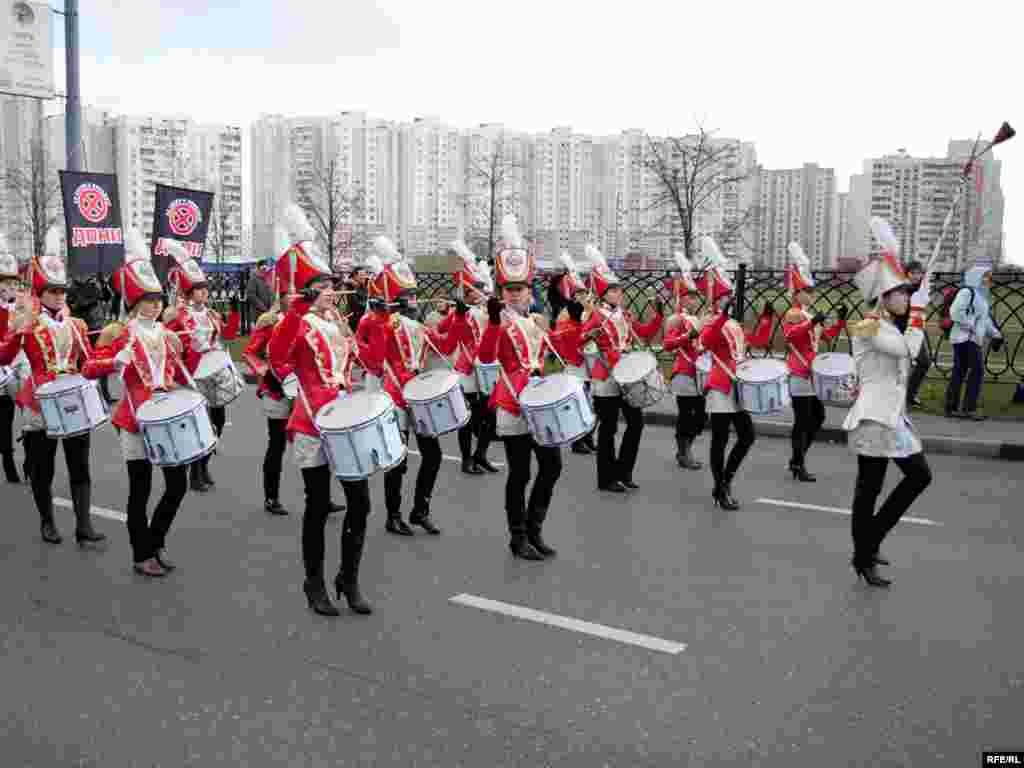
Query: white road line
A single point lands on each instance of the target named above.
(564, 622)
(838, 511)
(446, 457)
(111, 514)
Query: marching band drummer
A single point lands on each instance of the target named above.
(682, 336)
(394, 349)
(878, 426)
(10, 281)
(203, 331)
(566, 337)
(613, 329)
(727, 342)
(472, 286)
(148, 358)
(54, 344)
(803, 332)
(519, 341)
(314, 342)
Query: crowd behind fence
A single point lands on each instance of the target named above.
(754, 289)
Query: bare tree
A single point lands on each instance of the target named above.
(331, 201)
(492, 172)
(36, 199)
(694, 174)
(219, 231)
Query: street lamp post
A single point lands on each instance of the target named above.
(73, 109)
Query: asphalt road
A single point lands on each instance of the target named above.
(787, 660)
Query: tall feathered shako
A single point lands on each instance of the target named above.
(513, 262)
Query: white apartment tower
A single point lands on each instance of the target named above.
(797, 205)
(429, 181)
(566, 191)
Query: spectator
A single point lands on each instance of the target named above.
(918, 309)
(85, 301)
(258, 292)
(357, 301)
(973, 326)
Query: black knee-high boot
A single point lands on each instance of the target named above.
(393, 500)
(81, 500)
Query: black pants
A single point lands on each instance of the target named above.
(692, 417)
(317, 482)
(481, 426)
(430, 465)
(969, 363)
(218, 417)
(7, 408)
(720, 422)
(277, 441)
(808, 416)
(523, 517)
(610, 469)
(921, 366)
(149, 536)
(41, 452)
(869, 529)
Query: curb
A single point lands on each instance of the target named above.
(937, 444)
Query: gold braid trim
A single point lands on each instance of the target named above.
(109, 334)
(865, 328)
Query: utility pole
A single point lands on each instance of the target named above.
(73, 109)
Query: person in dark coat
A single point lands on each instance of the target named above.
(258, 292)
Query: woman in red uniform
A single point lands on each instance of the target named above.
(315, 343)
(10, 281)
(201, 330)
(394, 349)
(803, 331)
(519, 341)
(614, 329)
(472, 287)
(54, 344)
(567, 336)
(683, 337)
(148, 358)
(727, 342)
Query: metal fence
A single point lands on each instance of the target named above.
(757, 287)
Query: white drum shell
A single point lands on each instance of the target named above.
(175, 428)
(759, 394)
(71, 405)
(559, 421)
(217, 378)
(486, 376)
(835, 378)
(358, 450)
(442, 411)
(640, 379)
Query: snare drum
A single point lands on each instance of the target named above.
(486, 376)
(176, 428)
(762, 386)
(291, 386)
(218, 379)
(360, 434)
(72, 405)
(835, 378)
(557, 410)
(437, 403)
(640, 379)
(703, 366)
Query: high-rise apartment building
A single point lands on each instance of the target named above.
(797, 205)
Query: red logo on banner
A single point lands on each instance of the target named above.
(92, 202)
(183, 216)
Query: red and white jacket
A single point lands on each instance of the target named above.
(567, 339)
(467, 345)
(395, 349)
(727, 342)
(53, 346)
(617, 328)
(256, 355)
(677, 340)
(155, 366)
(802, 339)
(520, 344)
(320, 353)
(203, 328)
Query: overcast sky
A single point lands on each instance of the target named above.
(805, 81)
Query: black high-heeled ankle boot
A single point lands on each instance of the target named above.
(81, 501)
(869, 572)
(347, 581)
(317, 597)
(420, 516)
(801, 474)
(195, 477)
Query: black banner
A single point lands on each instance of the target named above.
(183, 215)
(92, 212)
